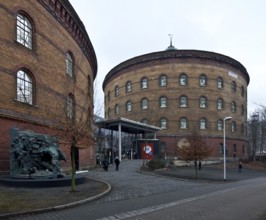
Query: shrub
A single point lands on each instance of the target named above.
(156, 164)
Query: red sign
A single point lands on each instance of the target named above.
(147, 151)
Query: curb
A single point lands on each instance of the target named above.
(59, 207)
(181, 178)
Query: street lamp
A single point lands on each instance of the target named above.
(225, 119)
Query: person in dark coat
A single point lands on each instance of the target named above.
(117, 162)
(240, 167)
(105, 165)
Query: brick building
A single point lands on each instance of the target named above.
(47, 69)
(178, 90)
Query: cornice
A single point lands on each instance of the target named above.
(181, 56)
(65, 14)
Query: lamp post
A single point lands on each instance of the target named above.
(225, 119)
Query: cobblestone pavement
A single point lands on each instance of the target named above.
(246, 202)
(139, 196)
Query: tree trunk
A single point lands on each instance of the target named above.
(73, 169)
(196, 169)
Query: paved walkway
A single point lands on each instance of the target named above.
(134, 191)
(128, 183)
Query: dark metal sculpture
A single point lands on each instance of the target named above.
(34, 155)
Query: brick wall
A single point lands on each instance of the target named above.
(46, 64)
(173, 68)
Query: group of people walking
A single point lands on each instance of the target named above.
(105, 164)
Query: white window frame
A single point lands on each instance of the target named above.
(183, 80)
(183, 102)
(203, 124)
(24, 87)
(163, 80)
(144, 103)
(183, 123)
(163, 102)
(24, 31)
(144, 83)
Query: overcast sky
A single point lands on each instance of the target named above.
(122, 29)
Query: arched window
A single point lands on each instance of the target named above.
(220, 83)
(24, 87)
(163, 123)
(144, 103)
(69, 65)
(89, 85)
(183, 80)
(235, 149)
(233, 86)
(128, 86)
(24, 31)
(183, 102)
(242, 91)
(242, 129)
(144, 83)
(203, 102)
(221, 148)
(203, 80)
(242, 110)
(220, 104)
(70, 106)
(129, 106)
(116, 109)
(108, 96)
(220, 125)
(117, 91)
(163, 102)
(203, 123)
(163, 81)
(108, 113)
(233, 106)
(233, 126)
(183, 123)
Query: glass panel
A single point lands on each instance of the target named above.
(163, 102)
(183, 101)
(70, 107)
(163, 81)
(69, 65)
(163, 123)
(24, 87)
(24, 31)
(183, 123)
(183, 80)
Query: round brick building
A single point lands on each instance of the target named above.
(178, 90)
(47, 69)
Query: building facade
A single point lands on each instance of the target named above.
(47, 69)
(178, 90)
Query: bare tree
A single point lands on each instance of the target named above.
(71, 116)
(194, 149)
(257, 132)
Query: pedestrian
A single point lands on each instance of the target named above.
(199, 165)
(117, 162)
(240, 167)
(105, 165)
(234, 156)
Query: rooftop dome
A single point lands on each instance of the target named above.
(171, 47)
